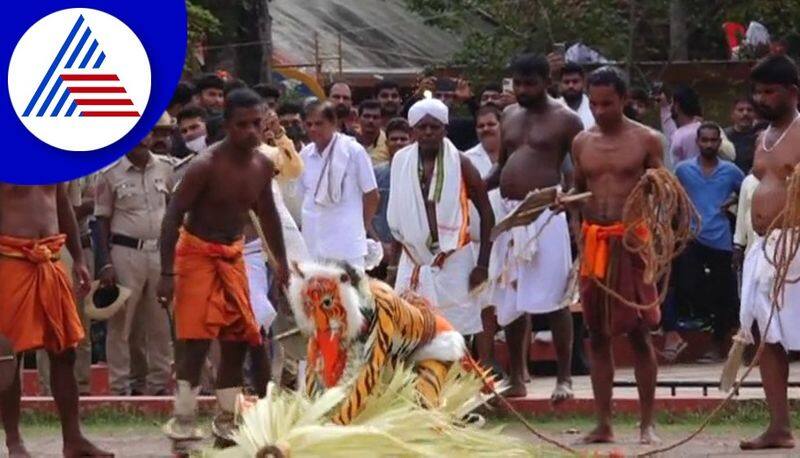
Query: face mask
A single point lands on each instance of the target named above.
(197, 145)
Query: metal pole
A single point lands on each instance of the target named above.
(340, 55)
(317, 62)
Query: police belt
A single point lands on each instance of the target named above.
(136, 244)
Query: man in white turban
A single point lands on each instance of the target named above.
(428, 213)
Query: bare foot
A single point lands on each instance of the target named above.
(84, 448)
(516, 390)
(18, 450)
(562, 392)
(647, 436)
(769, 440)
(600, 435)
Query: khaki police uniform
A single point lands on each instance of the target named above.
(79, 190)
(138, 339)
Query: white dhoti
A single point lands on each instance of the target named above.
(529, 267)
(446, 288)
(258, 281)
(438, 273)
(758, 278)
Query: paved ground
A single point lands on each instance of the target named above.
(541, 387)
(146, 441)
(142, 437)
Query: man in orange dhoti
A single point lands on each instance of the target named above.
(610, 159)
(37, 306)
(606, 260)
(203, 266)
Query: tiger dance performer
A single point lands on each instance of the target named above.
(361, 326)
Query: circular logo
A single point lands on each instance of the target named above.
(79, 79)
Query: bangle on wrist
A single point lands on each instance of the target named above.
(107, 266)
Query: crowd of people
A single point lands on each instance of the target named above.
(409, 191)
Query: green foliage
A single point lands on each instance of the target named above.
(201, 23)
(493, 30)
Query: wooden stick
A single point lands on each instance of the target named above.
(526, 216)
(287, 334)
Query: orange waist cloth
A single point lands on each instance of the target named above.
(212, 299)
(596, 248)
(37, 305)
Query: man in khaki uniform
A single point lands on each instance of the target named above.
(130, 204)
(81, 194)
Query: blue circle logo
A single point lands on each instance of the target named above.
(86, 84)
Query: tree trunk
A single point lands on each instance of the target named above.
(265, 37)
(678, 35)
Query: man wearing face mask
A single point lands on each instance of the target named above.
(531, 265)
(192, 124)
(342, 99)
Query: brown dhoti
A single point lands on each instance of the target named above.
(606, 260)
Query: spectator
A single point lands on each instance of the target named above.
(192, 126)
(571, 86)
(341, 97)
(638, 105)
(457, 96)
(290, 116)
(398, 136)
(161, 137)
(131, 200)
(269, 93)
(371, 137)
(388, 94)
(182, 96)
(492, 94)
(484, 156)
(710, 184)
(742, 133)
(210, 93)
(680, 121)
(232, 85)
(339, 189)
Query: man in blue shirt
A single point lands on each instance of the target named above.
(398, 135)
(711, 184)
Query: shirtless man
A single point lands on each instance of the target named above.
(210, 291)
(31, 219)
(777, 155)
(609, 159)
(537, 134)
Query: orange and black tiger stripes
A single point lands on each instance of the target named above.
(398, 329)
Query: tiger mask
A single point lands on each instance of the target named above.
(326, 301)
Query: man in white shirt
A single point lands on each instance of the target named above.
(340, 195)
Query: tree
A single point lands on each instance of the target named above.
(201, 23)
(493, 30)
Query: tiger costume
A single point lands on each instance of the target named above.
(365, 325)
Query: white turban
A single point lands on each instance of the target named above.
(427, 106)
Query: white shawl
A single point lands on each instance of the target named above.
(406, 214)
(331, 180)
(445, 286)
